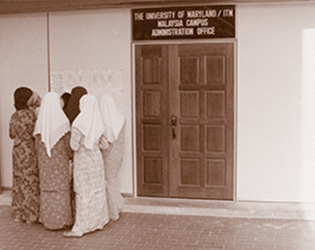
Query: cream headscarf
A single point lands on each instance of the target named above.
(52, 123)
(34, 100)
(112, 119)
(89, 120)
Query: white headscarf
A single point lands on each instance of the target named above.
(112, 119)
(89, 120)
(52, 123)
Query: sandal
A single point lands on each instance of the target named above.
(72, 234)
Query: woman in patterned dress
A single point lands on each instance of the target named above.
(72, 109)
(88, 169)
(25, 188)
(52, 143)
(114, 132)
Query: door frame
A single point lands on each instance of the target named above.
(133, 108)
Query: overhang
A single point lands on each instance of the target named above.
(27, 6)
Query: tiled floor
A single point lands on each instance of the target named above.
(156, 231)
(148, 223)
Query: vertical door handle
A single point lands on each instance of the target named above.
(173, 124)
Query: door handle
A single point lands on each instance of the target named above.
(173, 124)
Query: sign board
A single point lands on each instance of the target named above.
(184, 22)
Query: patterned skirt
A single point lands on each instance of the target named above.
(25, 188)
(55, 209)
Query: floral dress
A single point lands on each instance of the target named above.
(89, 185)
(55, 178)
(25, 188)
(113, 157)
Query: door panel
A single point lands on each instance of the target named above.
(151, 130)
(202, 94)
(185, 110)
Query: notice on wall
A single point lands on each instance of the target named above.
(97, 83)
(184, 23)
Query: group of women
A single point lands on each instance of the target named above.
(66, 154)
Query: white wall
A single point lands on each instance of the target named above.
(23, 50)
(97, 40)
(275, 86)
(276, 103)
(87, 40)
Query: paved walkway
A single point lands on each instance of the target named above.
(155, 231)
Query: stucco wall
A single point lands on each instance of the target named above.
(276, 103)
(97, 40)
(87, 40)
(23, 53)
(275, 111)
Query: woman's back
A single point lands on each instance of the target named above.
(54, 170)
(22, 124)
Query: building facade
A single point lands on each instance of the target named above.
(224, 118)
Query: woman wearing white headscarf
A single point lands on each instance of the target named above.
(52, 142)
(88, 169)
(114, 132)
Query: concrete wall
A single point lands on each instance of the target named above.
(90, 40)
(275, 138)
(23, 53)
(97, 40)
(276, 103)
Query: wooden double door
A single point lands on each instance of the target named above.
(185, 120)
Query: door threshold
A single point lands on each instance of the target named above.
(219, 208)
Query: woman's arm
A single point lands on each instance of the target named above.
(75, 139)
(11, 129)
(103, 143)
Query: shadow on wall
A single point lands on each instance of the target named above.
(307, 167)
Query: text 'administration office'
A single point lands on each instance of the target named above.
(219, 98)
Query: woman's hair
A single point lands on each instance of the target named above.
(65, 97)
(21, 96)
(72, 110)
